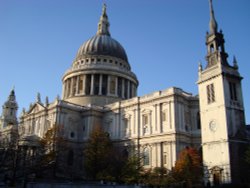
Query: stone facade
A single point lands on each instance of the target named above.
(101, 89)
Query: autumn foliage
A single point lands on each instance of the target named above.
(188, 167)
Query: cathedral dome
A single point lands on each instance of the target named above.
(102, 45)
(100, 74)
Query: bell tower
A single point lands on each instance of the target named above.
(221, 110)
(8, 119)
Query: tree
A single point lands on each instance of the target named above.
(132, 169)
(98, 155)
(188, 167)
(53, 147)
(8, 159)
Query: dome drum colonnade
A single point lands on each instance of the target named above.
(100, 73)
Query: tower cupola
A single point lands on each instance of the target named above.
(215, 42)
(9, 111)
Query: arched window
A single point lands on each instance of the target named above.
(211, 48)
(146, 156)
(70, 158)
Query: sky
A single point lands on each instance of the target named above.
(164, 41)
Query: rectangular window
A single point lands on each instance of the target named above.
(233, 91)
(210, 93)
(112, 84)
(87, 84)
(164, 158)
(104, 84)
(119, 87)
(163, 115)
(80, 85)
(145, 119)
(96, 84)
(125, 89)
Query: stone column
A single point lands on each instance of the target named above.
(155, 118)
(83, 84)
(123, 87)
(100, 84)
(159, 117)
(77, 85)
(108, 89)
(68, 87)
(128, 91)
(71, 87)
(92, 84)
(116, 86)
(64, 90)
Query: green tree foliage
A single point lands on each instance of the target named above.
(188, 167)
(52, 147)
(98, 155)
(132, 170)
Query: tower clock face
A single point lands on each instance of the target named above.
(212, 126)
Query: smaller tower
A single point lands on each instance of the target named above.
(222, 111)
(8, 119)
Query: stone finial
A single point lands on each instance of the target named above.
(12, 96)
(235, 63)
(200, 67)
(38, 97)
(47, 101)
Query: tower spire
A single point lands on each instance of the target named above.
(103, 25)
(212, 23)
(12, 96)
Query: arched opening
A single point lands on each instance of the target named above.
(104, 84)
(87, 84)
(211, 48)
(96, 84)
(119, 91)
(216, 174)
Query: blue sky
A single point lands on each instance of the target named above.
(164, 41)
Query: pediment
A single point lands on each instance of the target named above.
(37, 107)
(146, 111)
